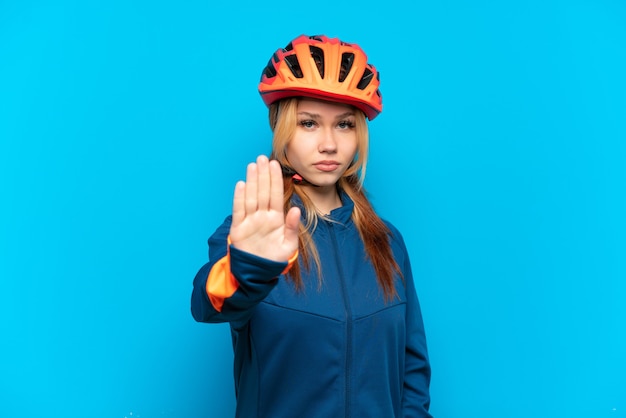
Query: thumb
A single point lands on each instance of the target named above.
(292, 221)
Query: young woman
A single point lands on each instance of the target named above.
(317, 288)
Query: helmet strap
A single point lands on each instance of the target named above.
(295, 177)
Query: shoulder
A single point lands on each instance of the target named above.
(219, 239)
(396, 240)
(223, 229)
(394, 233)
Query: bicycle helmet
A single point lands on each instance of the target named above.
(322, 68)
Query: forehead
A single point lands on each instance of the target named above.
(323, 107)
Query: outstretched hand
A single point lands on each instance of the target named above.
(259, 225)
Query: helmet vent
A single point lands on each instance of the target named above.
(269, 71)
(347, 59)
(366, 79)
(318, 57)
(294, 65)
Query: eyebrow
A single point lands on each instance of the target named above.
(317, 116)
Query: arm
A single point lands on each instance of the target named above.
(416, 393)
(227, 288)
(249, 251)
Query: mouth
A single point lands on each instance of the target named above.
(326, 165)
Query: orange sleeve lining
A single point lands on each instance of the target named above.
(221, 284)
(290, 262)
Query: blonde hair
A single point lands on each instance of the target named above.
(374, 233)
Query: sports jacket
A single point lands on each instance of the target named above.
(334, 349)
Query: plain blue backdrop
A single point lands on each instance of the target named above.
(500, 155)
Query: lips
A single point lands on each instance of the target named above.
(327, 165)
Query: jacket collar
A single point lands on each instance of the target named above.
(342, 214)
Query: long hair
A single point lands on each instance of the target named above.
(372, 230)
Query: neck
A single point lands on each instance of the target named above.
(324, 198)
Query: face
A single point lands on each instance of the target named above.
(324, 143)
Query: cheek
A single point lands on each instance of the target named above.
(289, 148)
(352, 146)
(293, 151)
(298, 146)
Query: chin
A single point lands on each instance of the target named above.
(322, 181)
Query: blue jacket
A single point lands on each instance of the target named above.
(334, 349)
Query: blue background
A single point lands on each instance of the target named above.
(500, 155)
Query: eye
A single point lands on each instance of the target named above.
(345, 124)
(307, 123)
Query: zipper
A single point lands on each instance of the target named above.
(348, 312)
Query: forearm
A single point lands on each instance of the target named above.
(416, 394)
(228, 290)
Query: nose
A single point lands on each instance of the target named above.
(327, 142)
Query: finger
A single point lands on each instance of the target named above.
(263, 186)
(251, 189)
(292, 221)
(276, 188)
(239, 210)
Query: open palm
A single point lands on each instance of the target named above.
(259, 224)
